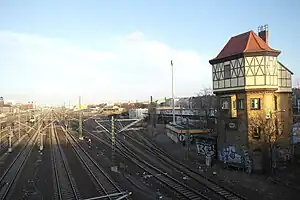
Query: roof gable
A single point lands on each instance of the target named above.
(248, 42)
(282, 65)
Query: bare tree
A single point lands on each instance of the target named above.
(204, 99)
(205, 102)
(296, 82)
(267, 129)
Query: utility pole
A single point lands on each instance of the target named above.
(151, 115)
(30, 114)
(41, 138)
(51, 115)
(0, 135)
(114, 167)
(19, 119)
(80, 120)
(26, 122)
(67, 125)
(41, 135)
(173, 100)
(9, 140)
(113, 138)
(188, 138)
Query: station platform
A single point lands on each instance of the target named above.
(180, 133)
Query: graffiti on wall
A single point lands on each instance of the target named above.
(232, 124)
(283, 154)
(296, 133)
(229, 155)
(248, 161)
(206, 147)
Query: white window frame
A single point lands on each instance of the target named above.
(255, 103)
(225, 105)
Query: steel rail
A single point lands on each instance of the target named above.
(14, 170)
(67, 189)
(210, 184)
(171, 182)
(107, 185)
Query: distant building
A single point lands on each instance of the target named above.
(296, 101)
(208, 104)
(184, 102)
(252, 87)
(139, 113)
(1, 101)
(81, 107)
(10, 102)
(26, 106)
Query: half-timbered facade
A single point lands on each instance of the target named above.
(249, 81)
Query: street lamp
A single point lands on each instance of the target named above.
(173, 101)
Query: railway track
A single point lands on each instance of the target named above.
(286, 184)
(210, 184)
(127, 173)
(7, 158)
(4, 144)
(183, 191)
(14, 142)
(107, 188)
(105, 184)
(65, 188)
(10, 176)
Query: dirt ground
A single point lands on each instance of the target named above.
(254, 186)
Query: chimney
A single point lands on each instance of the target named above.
(263, 33)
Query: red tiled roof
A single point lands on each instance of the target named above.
(26, 106)
(244, 43)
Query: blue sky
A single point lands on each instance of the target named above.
(54, 51)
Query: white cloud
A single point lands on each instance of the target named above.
(55, 70)
(137, 35)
